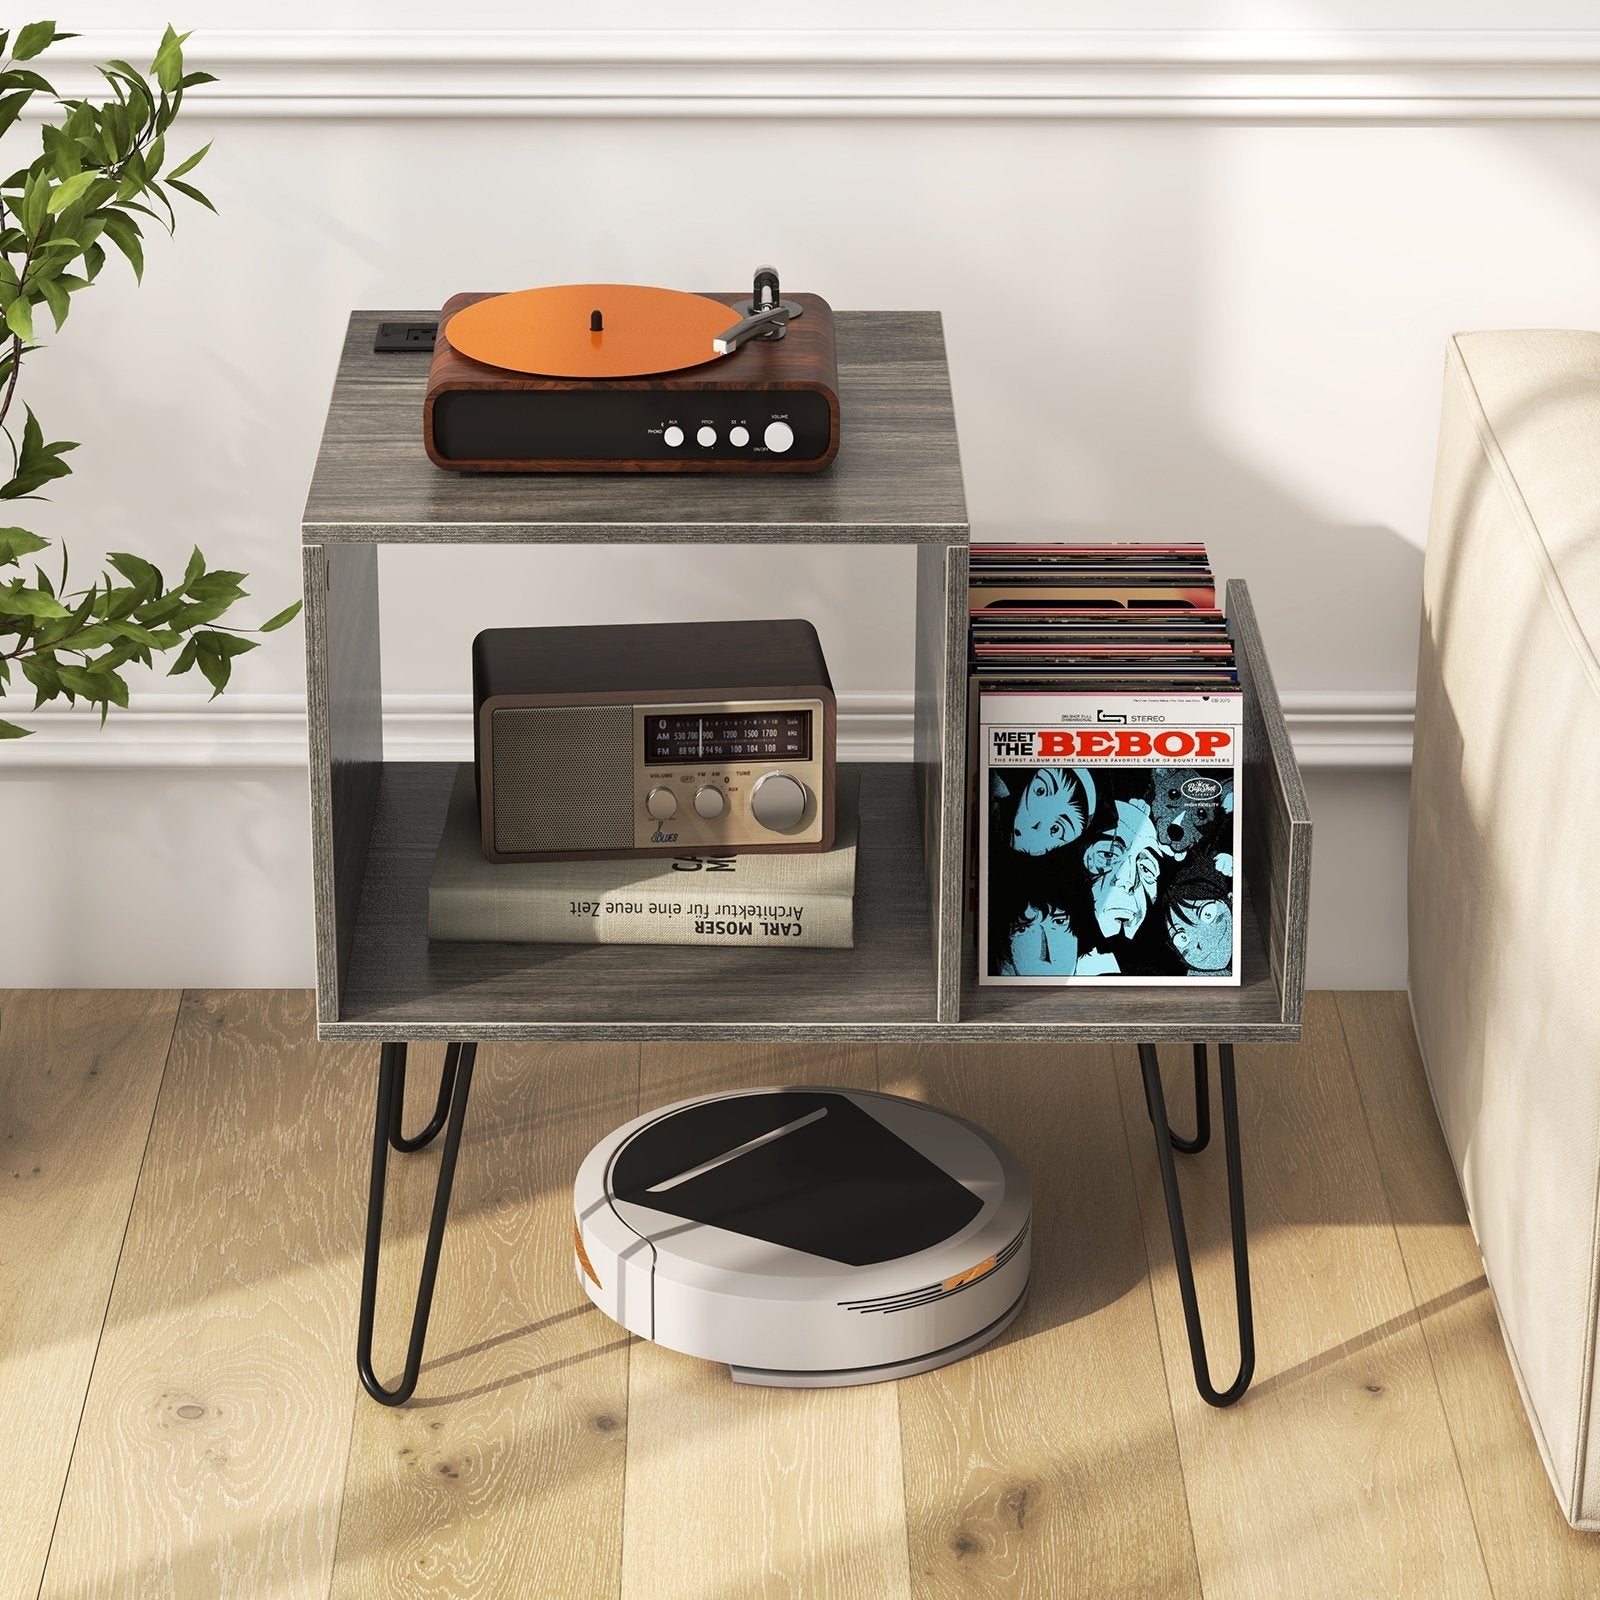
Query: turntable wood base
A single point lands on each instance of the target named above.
(771, 405)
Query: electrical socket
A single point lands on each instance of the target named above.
(398, 337)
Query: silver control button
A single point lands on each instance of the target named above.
(778, 437)
(661, 804)
(738, 437)
(673, 437)
(778, 801)
(710, 802)
(707, 436)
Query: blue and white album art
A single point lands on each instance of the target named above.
(1095, 874)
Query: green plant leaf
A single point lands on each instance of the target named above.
(57, 298)
(21, 78)
(139, 572)
(186, 659)
(224, 644)
(35, 196)
(34, 38)
(69, 190)
(37, 462)
(156, 192)
(216, 586)
(217, 670)
(288, 614)
(95, 683)
(11, 106)
(123, 232)
(187, 616)
(19, 319)
(21, 601)
(190, 163)
(132, 631)
(15, 543)
(9, 730)
(215, 652)
(168, 64)
(192, 192)
(40, 671)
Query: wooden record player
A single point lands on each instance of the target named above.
(619, 378)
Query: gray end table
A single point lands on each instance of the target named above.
(911, 975)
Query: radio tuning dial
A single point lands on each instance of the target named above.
(778, 801)
(709, 802)
(662, 804)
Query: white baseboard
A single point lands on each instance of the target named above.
(1325, 75)
(1331, 728)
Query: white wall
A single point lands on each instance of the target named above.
(1194, 285)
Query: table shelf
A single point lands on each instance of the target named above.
(401, 985)
(911, 975)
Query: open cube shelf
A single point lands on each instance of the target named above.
(897, 480)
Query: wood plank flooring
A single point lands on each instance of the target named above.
(182, 1194)
(78, 1080)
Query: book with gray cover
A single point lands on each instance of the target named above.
(756, 900)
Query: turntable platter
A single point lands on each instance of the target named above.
(591, 330)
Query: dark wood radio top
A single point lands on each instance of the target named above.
(758, 657)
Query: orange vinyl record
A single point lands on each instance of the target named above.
(553, 333)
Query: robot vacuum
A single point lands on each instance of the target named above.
(808, 1237)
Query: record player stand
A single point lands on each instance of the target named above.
(910, 977)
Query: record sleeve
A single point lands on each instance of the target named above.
(1108, 840)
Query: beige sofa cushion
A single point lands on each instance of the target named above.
(1505, 854)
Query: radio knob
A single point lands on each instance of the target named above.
(778, 801)
(709, 802)
(672, 437)
(778, 437)
(662, 804)
(738, 436)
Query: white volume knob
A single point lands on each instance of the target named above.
(661, 804)
(778, 801)
(778, 437)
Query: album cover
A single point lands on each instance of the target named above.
(1109, 832)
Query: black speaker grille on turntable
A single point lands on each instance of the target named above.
(563, 778)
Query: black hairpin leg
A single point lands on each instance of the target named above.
(450, 1114)
(1202, 1106)
(1165, 1142)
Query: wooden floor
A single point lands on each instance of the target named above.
(182, 1193)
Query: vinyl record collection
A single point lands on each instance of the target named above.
(1108, 725)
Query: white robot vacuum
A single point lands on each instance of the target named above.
(808, 1237)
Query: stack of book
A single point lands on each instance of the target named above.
(771, 901)
(1108, 719)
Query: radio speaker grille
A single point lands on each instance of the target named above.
(563, 778)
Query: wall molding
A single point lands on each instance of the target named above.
(1345, 729)
(1375, 75)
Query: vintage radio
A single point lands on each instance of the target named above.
(653, 739)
